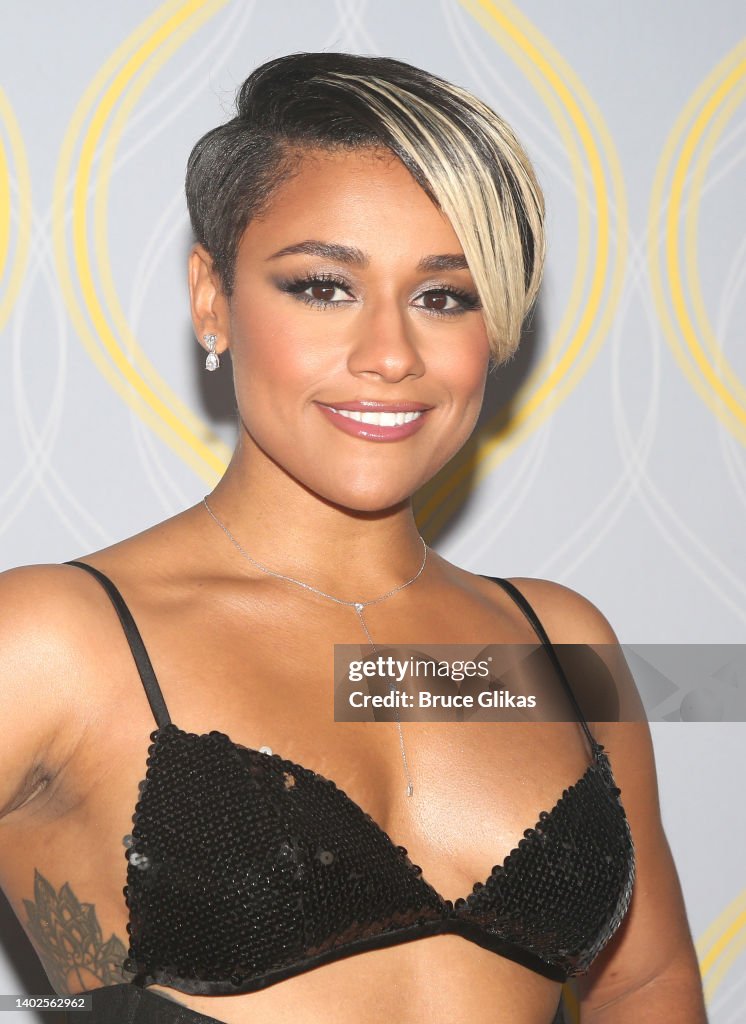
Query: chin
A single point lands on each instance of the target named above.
(371, 499)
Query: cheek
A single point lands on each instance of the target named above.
(463, 368)
(274, 355)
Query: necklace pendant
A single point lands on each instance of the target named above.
(359, 606)
(410, 789)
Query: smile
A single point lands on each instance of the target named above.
(375, 425)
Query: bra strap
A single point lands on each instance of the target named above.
(139, 653)
(533, 618)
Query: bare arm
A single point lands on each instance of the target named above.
(649, 972)
(31, 698)
(45, 631)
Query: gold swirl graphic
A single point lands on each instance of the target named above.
(710, 108)
(101, 326)
(12, 132)
(721, 944)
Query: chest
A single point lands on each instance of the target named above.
(259, 808)
(282, 868)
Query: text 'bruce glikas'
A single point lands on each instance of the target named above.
(425, 699)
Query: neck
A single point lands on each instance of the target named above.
(352, 555)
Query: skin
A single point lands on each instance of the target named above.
(241, 652)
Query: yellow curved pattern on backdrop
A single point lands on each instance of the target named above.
(691, 235)
(722, 943)
(712, 104)
(10, 292)
(154, 41)
(724, 81)
(5, 200)
(122, 330)
(575, 113)
(64, 172)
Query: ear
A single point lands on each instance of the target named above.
(210, 311)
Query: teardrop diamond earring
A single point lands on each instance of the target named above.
(213, 361)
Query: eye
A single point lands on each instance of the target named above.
(463, 301)
(317, 289)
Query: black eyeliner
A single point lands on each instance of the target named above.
(297, 285)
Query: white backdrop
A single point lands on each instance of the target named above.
(627, 478)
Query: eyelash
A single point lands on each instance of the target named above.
(296, 286)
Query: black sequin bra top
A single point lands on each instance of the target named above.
(245, 868)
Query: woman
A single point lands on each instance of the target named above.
(369, 239)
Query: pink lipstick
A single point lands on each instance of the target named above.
(376, 421)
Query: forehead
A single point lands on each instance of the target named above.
(365, 198)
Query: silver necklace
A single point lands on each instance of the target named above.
(359, 607)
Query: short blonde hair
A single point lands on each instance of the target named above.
(461, 152)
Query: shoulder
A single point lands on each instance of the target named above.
(41, 607)
(45, 628)
(567, 615)
(588, 649)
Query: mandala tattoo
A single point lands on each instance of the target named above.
(68, 939)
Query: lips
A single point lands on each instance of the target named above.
(376, 421)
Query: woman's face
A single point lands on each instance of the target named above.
(359, 348)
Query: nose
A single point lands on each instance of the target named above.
(385, 343)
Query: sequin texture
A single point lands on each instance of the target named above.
(237, 880)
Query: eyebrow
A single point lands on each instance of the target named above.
(356, 257)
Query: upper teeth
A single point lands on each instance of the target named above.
(379, 419)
